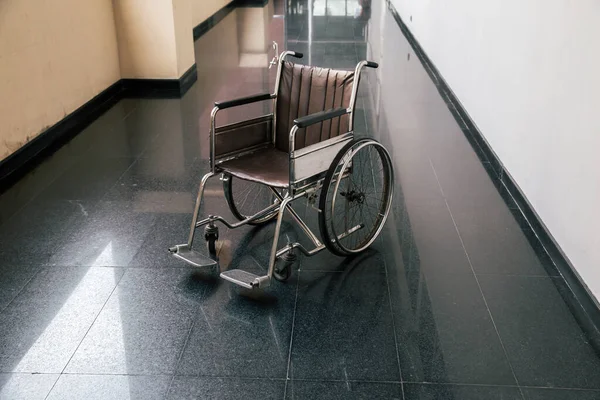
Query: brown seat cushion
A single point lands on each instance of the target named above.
(269, 167)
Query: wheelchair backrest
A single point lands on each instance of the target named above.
(305, 90)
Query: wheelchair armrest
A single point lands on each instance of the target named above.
(221, 105)
(320, 116)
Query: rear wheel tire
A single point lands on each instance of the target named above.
(356, 197)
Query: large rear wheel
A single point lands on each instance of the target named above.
(356, 197)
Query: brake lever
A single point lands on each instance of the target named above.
(275, 59)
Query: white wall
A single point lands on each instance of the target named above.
(527, 73)
(54, 57)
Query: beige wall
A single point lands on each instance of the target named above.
(182, 14)
(146, 34)
(155, 38)
(54, 57)
(203, 9)
(252, 29)
(254, 35)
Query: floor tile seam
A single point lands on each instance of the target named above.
(427, 383)
(39, 269)
(53, 385)
(324, 271)
(28, 373)
(183, 348)
(110, 157)
(289, 362)
(37, 195)
(225, 377)
(387, 281)
(561, 388)
(498, 385)
(85, 335)
(120, 267)
(112, 126)
(515, 276)
(477, 280)
(135, 160)
(547, 253)
(135, 108)
(148, 146)
(115, 374)
(93, 322)
(346, 381)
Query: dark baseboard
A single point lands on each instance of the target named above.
(213, 20)
(13, 167)
(579, 299)
(160, 88)
(251, 3)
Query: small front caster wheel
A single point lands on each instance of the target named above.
(283, 268)
(211, 235)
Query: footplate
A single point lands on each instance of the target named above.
(192, 257)
(244, 279)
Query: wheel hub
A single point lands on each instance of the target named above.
(353, 195)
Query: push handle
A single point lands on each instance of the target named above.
(372, 64)
(297, 55)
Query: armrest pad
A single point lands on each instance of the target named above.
(319, 117)
(241, 101)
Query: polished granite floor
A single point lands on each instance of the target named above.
(452, 302)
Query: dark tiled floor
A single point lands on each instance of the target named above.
(452, 302)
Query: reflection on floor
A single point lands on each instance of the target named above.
(452, 302)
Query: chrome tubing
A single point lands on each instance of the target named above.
(300, 222)
(292, 145)
(197, 207)
(317, 249)
(213, 116)
(355, 84)
(273, 256)
(275, 93)
(302, 249)
(218, 218)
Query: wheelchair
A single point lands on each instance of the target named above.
(306, 148)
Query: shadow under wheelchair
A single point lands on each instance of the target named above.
(251, 251)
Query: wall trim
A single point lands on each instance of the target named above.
(580, 300)
(160, 88)
(17, 164)
(213, 20)
(13, 167)
(251, 3)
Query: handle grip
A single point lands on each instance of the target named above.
(372, 64)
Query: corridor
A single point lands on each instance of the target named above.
(455, 300)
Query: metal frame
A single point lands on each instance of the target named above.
(296, 189)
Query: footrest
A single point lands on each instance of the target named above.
(241, 278)
(194, 258)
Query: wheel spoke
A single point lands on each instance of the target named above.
(361, 198)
